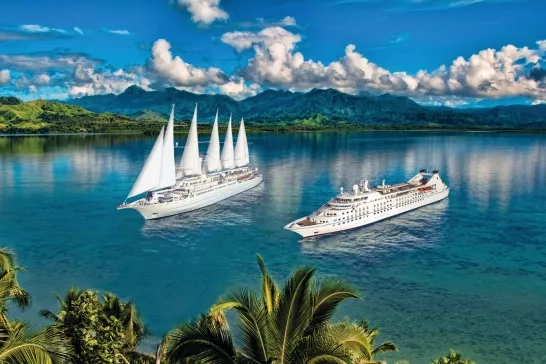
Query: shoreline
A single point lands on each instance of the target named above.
(284, 130)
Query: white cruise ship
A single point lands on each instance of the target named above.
(196, 183)
(364, 205)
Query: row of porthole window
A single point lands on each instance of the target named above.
(412, 201)
(381, 204)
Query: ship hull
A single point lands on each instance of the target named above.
(161, 210)
(329, 228)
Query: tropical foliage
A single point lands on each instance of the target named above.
(100, 332)
(9, 100)
(288, 324)
(11, 291)
(452, 358)
(40, 116)
(19, 343)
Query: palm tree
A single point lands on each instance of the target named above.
(127, 314)
(288, 326)
(133, 327)
(452, 358)
(67, 304)
(202, 340)
(359, 339)
(23, 345)
(13, 292)
(20, 344)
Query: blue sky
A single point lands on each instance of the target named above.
(65, 48)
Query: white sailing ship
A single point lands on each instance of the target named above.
(366, 205)
(196, 183)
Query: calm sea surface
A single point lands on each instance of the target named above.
(468, 273)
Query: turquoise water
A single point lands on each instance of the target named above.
(468, 273)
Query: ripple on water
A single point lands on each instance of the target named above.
(467, 273)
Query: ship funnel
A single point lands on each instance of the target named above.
(366, 186)
(355, 189)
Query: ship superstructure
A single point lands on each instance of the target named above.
(364, 205)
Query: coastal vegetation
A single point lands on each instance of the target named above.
(323, 108)
(40, 116)
(288, 324)
(139, 111)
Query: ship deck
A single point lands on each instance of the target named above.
(305, 222)
(400, 187)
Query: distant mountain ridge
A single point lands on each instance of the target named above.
(327, 107)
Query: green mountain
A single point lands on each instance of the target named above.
(150, 115)
(315, 108)
(41, 116)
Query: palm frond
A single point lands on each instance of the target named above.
(253, 318)
(50, 315)
(386, 347)
(201, 342)
(23, 345)
(319, 348)
(16, 294)
(134, 357)
(354, 338)
(453, 358)
(326, 297)
(7, 259)
(293, 313)
(270, 291)
(133, 325)
(128, 315)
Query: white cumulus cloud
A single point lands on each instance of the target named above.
(288, 21)
(174, 71)
(204, 11)
(238, 89)
(264, 39)
(89, 81)
(5, 77)
(489, 73)
(42, 79)
(276, 62)
(179, 73)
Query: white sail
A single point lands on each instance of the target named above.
(228, 159)
(247, 154)
(148, 178)
(212, 160)
(168, 169)
(190, 164)
(241, 147)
